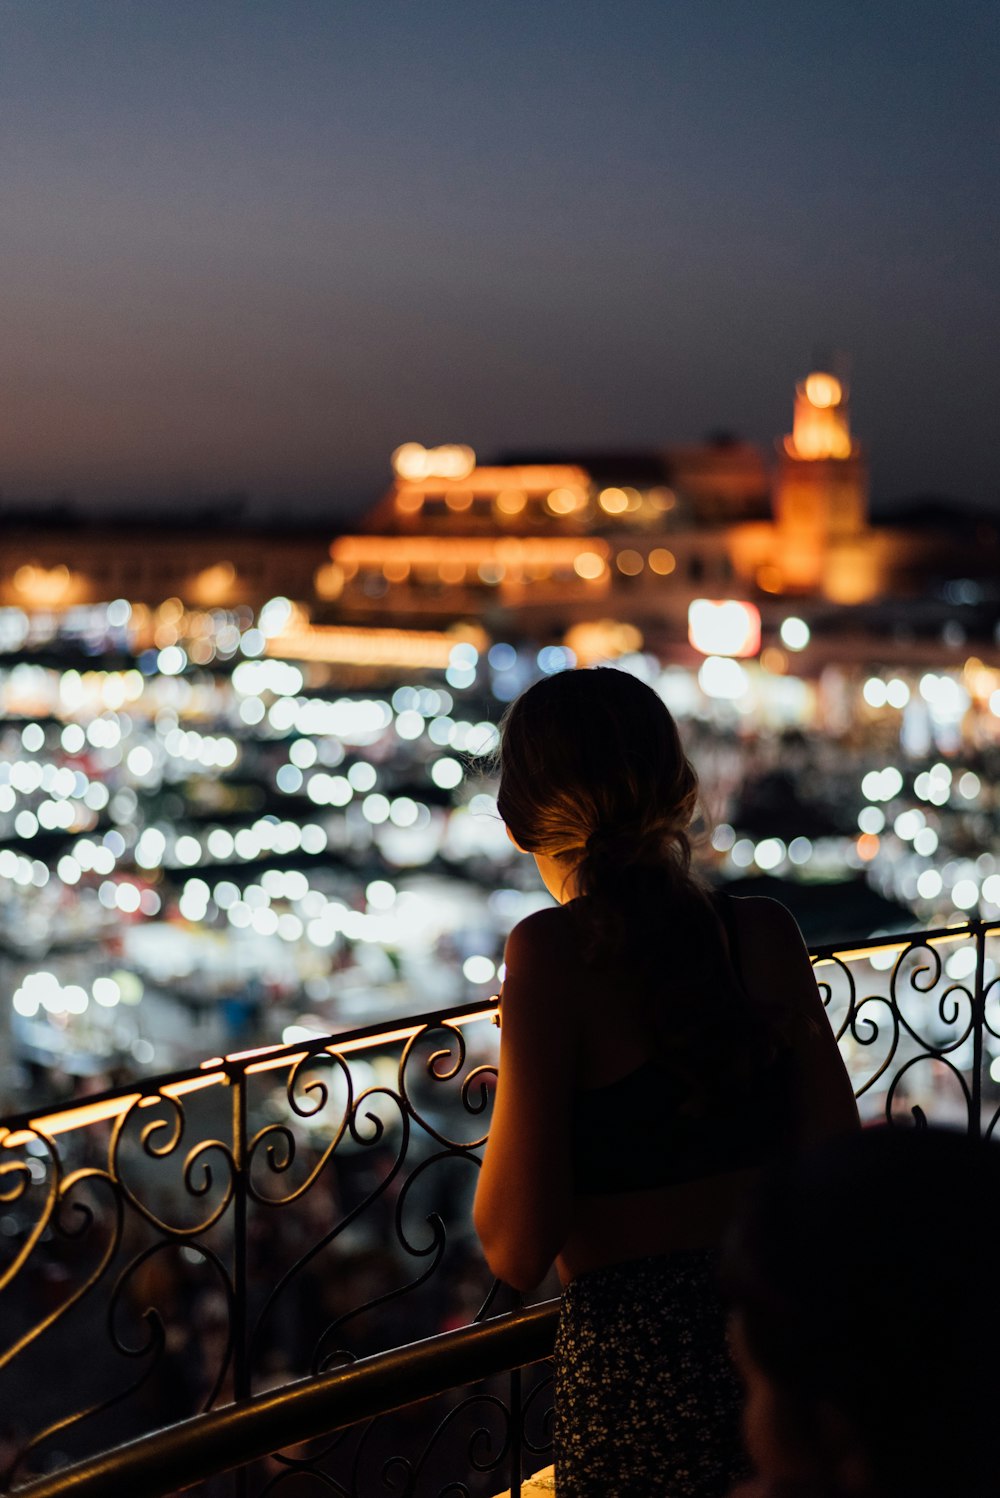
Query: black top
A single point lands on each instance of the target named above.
(630, 1135)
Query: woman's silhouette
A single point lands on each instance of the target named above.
(659, 1045)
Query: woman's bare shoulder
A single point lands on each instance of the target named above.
(759, 915)
(545, 937)
(764, 913)
(772, 953)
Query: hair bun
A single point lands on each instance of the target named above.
(622, 848)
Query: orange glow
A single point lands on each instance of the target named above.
(361, 1043)
(868, 845)
(336, 644)
(564, 501)
(602, 640)
(590, 566)
(430, 551)
(823, 390)
(770, 579)
(724, 627)
(14, 1141)
(257, 1050)
(629, 562)
(104, 1109)
(451, 572)
(43, 583)
(192, 1084)
(852, 573)
(395, 571)
(815, 438)
(613, 501)
(49, 587)
(662, 499)
(661, 561)
(213, 584)
(858, 954)
(329, 582)
(458, 499)
(537, 479)
(820, 424)
(74, 1118)
(511, 501)
(510, 551)
(410, 501)
(981, 681)
(774, 660)
(415, 462)
(855, 954)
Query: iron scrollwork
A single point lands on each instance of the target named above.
(912, 1040)
(216, 1234)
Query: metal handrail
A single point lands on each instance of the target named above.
(823, 951)
(194, 1450)
(286, 1052)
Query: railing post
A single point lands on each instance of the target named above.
(978, 1025)
(241, 1370)
(516, 1432)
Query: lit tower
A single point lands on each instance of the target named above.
(820, 494)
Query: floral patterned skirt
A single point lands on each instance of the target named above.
(647, 1398)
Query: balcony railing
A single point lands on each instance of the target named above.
(196, 1450)
(202, 1241)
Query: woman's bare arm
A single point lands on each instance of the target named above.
(777, 972)
(523, 1199)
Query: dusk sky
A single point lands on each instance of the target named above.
(255, 246)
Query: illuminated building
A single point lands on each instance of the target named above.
(547, 546)
(56, 567)
(616, 547)
(611, 548)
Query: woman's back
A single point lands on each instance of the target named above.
(650, 1169)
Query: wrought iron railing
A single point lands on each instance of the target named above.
(211, 1236)
(204, 1447)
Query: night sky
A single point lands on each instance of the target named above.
(255, 246)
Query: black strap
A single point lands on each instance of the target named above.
(724, 903)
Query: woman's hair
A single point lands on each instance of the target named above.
(591, 763)
(865, 1281)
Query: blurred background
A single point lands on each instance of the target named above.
(362, 365)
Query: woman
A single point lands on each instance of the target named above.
(658, 1046)
(865, 1320)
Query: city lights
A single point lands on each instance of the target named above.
(565, 501)
(661, 561)
(724, 628)
(820, 425)
(795, 633)
(589, 565)
(724, 678)
(416, 463)
(823, 391)
(299, 795)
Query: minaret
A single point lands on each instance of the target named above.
(821, 483)
(821, 426)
